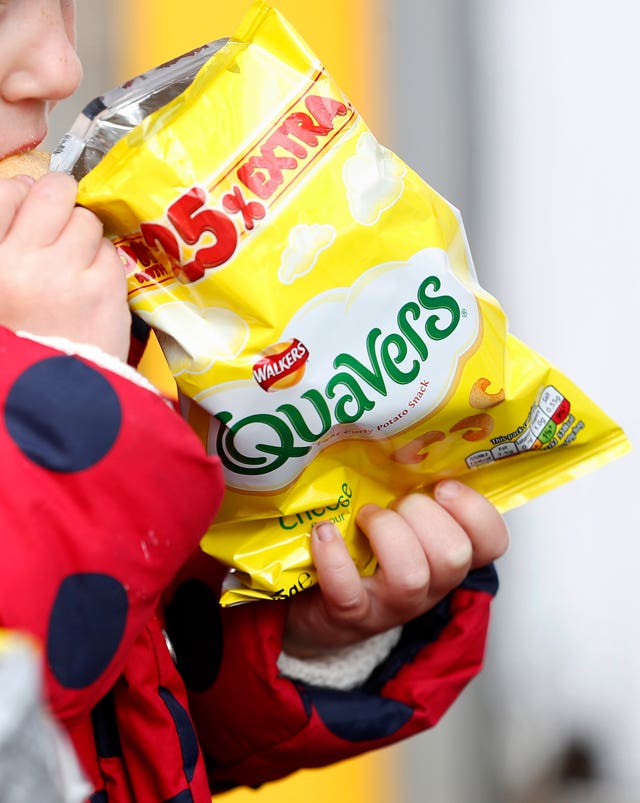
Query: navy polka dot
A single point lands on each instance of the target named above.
(357, 717)
(416, 634)
(105, 728)
(186, 733)
(483, 579)
(85, 629)
(63, 414)
(183, 797)
(194, 626)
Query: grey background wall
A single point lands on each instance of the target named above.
(525, 116)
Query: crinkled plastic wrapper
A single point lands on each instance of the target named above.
(317, 304)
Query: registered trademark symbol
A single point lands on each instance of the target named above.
(464, 313)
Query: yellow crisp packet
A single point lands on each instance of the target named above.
(317, 304)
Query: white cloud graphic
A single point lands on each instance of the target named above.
(359, 322)
(198, 337)
(373, 178)
(303, 248)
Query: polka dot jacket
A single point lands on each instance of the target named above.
(166, 696)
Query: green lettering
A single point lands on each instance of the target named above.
(372, 376)
(355, 394)
(233, 459)
(442, 302)
(409, 332)
(300, 425)
(391, 363)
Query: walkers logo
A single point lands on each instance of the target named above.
(281, 365)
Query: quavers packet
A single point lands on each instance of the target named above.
(317, 304)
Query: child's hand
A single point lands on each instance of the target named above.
(424, 548)
(58, 275)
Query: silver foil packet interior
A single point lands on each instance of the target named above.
(109, 117)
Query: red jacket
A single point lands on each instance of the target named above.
(105, 495)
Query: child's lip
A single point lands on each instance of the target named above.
(29, 146)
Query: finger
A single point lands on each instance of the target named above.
(12, 194)
(486, 528)
(342, 589)
(110, 280)
(110, 259)
(444, 542)
(46, 210)
(83, 238)
(403, 568)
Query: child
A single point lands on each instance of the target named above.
(106, 493)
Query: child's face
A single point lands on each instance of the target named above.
(38, 66)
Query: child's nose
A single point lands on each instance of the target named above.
(48, 69)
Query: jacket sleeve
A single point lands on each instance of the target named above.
(104, 492)
(254, 725)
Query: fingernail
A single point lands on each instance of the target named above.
(325, 531)
(25, 179)
(128, 263)
(369, 507)
(447, 489)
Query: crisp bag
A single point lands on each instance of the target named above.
(317, 304)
